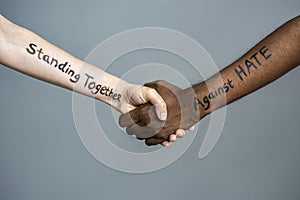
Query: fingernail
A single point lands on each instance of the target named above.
(163, 116)
(180, 134)
(167, 144)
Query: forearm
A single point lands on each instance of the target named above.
(271, 58)
(28, 53)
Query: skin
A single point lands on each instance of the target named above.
(270, 59)
(28, 53)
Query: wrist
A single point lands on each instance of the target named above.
(110, 90)
(190, 112)
(201, 102)
(121, 88)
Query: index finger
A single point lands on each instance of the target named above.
(140, 115)
(126, 120)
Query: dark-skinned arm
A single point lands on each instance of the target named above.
(270, 59)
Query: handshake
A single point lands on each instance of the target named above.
(268, 60)
(161, 111)
(151, 123)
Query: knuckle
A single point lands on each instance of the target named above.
(121, 121)
(163, 137)
(160, 82)
(163, 104)
(151, 91)
(131, 131)
(148, 142)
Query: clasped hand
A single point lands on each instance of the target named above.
(182, 115)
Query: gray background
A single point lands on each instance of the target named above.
(257, 156)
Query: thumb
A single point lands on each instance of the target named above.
(152, 96)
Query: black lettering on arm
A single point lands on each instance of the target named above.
(74, 77)
(31, 49)
(205, 101)
(264, 51)
(252, 63)
(240, 72)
